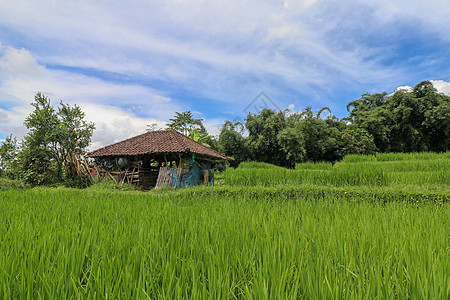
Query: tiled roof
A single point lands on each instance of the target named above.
(163, 141)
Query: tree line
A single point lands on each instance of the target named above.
(405, 121)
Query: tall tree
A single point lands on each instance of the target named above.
(185, 123)
(263, 129)
(369, 113)
(405, 121)
(54, 138)
(9, 149)
(232, 143)
(74, 135)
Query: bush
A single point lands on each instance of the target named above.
(110, 185)
(8, 184)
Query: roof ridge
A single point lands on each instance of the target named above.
(160, 141)
(126, 140)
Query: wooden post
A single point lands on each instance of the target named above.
(126, 172)
(110, 176)
(132, 176)
(77, 163)
(88, 169)
(206, 176)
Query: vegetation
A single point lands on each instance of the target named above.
(9, 163)
(185, 123)
(232, 143)
(402, 122)
(408, 170)
(49, 152)
(406, 121)
(329, 235)
(347, 222)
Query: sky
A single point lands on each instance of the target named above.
(128, 64)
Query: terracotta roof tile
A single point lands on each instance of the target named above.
(163, 141)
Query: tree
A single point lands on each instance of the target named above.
(406, 121)
(320, 140)
(369, 113)
(54, 141)
(152, 127)
(185, 123)
(356, 140)
(307, 137)
(9, 164)
(232, 143)
(263, 131)
(74, 135)
(292, 142)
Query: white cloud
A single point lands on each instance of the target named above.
(114, 124)
(132, 58)
(442, 86)
(3, 117)
(213, 126)
(119, 110)
(161, 99)
(199, 44)
(405, 88)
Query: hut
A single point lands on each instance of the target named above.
(157, 159)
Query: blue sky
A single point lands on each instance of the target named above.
(132, 63)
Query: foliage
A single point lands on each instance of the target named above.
(405, 121)
(152, 127)
(9, 184)
(263, 129)
(285, 139)
(9, 164)
(185, 123)
(202, 140)
(54, 141)
(292, 142)
(356, 140)
(38, 166)
(280, 242)
(74, 136)
(401, 122)
(232, 143)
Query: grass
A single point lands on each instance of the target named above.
(422, 170)
(336, 177)
(397, 157)
(66, 243)
(358, 229)
(314, 166)
(257, 165)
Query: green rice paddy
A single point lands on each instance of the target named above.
(359, 229)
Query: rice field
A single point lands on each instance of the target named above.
(332, 238)
(416, 170)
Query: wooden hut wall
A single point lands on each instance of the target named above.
(141, 173)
